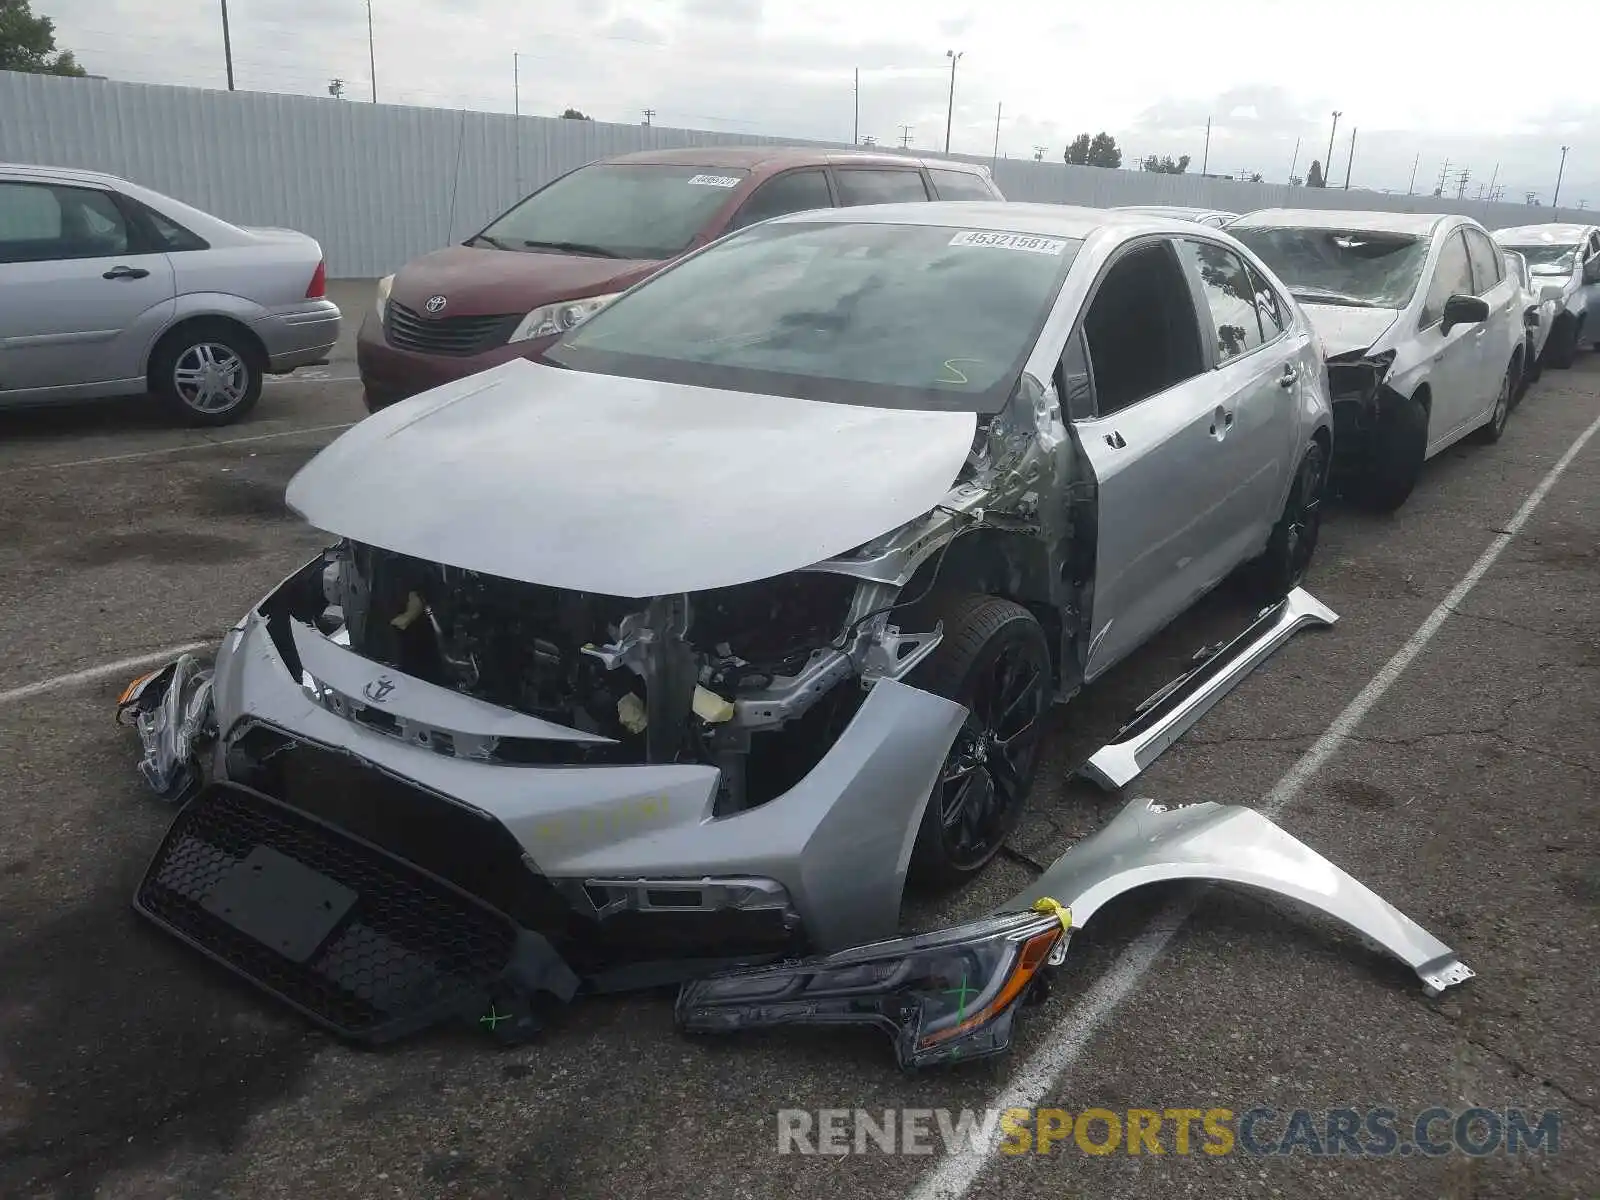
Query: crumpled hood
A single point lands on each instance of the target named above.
(1343, 329)
(626, 487)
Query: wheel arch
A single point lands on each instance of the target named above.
(189, 325)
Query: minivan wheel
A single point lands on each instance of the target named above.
(207, 373)
(1287, 558)
(995, 661)
(1397, 446)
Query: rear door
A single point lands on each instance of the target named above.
(1591, 284)
(75, 281)
(1146, 424)
(1454, 357)
(1257, 379)
(962, 185)
(793, 191)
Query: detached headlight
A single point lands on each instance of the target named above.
(944, 996)
(380, 303)
(555, 319)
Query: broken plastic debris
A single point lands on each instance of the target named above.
(711, 708)
(631, 712)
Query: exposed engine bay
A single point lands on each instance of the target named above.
(743, 678)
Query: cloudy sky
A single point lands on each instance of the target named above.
(1426, 78)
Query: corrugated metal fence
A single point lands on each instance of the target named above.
(378, 184)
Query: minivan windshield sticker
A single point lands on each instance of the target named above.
(1010, 241)
(724, 181)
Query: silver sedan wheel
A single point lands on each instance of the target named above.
(211, 377)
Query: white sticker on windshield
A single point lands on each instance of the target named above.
(1010, 241)
(716, 180)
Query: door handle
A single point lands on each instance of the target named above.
(126, 273)
(1286, 380)
(1114, 440)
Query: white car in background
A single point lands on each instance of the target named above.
(1216, 218)
(1565, 263)
(110, 289)
(1539, 313)
(1420, 324)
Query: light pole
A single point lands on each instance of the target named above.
(954, 56)
(372, 54)
(227, 44)
(1327, 163)
(1555, 201)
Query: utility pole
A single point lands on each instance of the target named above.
(1415, 162)
(905, 136)
(1495, 174)
(954, 56)
(227, 44)
(648, 113)
(1038, 153)
(1444, 174)
(1351, 161)
(516, 84)
(1205, 158)
(1294, 162)
(1327, 163)
(996, 155)
(1461, 183)
(1554, 200)
(855, 136)
(372, 54)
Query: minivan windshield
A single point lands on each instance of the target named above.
(617, 210)
(1545, 259)
(1340, 266)
(851, 312)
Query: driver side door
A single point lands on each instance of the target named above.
(1456, 357)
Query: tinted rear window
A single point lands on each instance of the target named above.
(897, 316)
(619, 210)
(960, 185)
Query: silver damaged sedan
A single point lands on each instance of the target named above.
(110, 289)
(684, 648)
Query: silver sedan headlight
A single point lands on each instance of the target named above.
(555, 319)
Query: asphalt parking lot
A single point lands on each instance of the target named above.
(1465, 794)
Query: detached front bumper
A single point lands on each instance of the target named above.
(626, 875)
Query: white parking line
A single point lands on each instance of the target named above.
(103, 671)
(135, 454)
(317, 378)
(955, 1174)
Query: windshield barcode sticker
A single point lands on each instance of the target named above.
(716, 180)
(1009, 241)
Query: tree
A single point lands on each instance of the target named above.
(1103, 151)
(1165, 165)
(28, 43)
(1255, 177)
(573, 114)
(1297, 180)
(1314, 176)
(1078, 150)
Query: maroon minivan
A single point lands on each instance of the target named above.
(538, 270)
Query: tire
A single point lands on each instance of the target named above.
(207, 373)
(984, 784)
(1490, 432)
(1562, 349)
(1398, 446)
(1283, 565)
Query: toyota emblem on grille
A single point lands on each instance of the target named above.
(378, 690)
(436, 304)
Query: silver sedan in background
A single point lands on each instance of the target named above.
(110, 289)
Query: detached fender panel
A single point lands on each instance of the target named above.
(1150, 843)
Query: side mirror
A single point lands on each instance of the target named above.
(1552, 291)
(1463, 310)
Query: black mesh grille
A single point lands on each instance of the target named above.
(411, 951)
(408, 329)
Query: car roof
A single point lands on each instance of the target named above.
(59, 174)
(1535, 235)
(1419, 224)
(767, 159)
(1173, 210)
(1050, 220)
